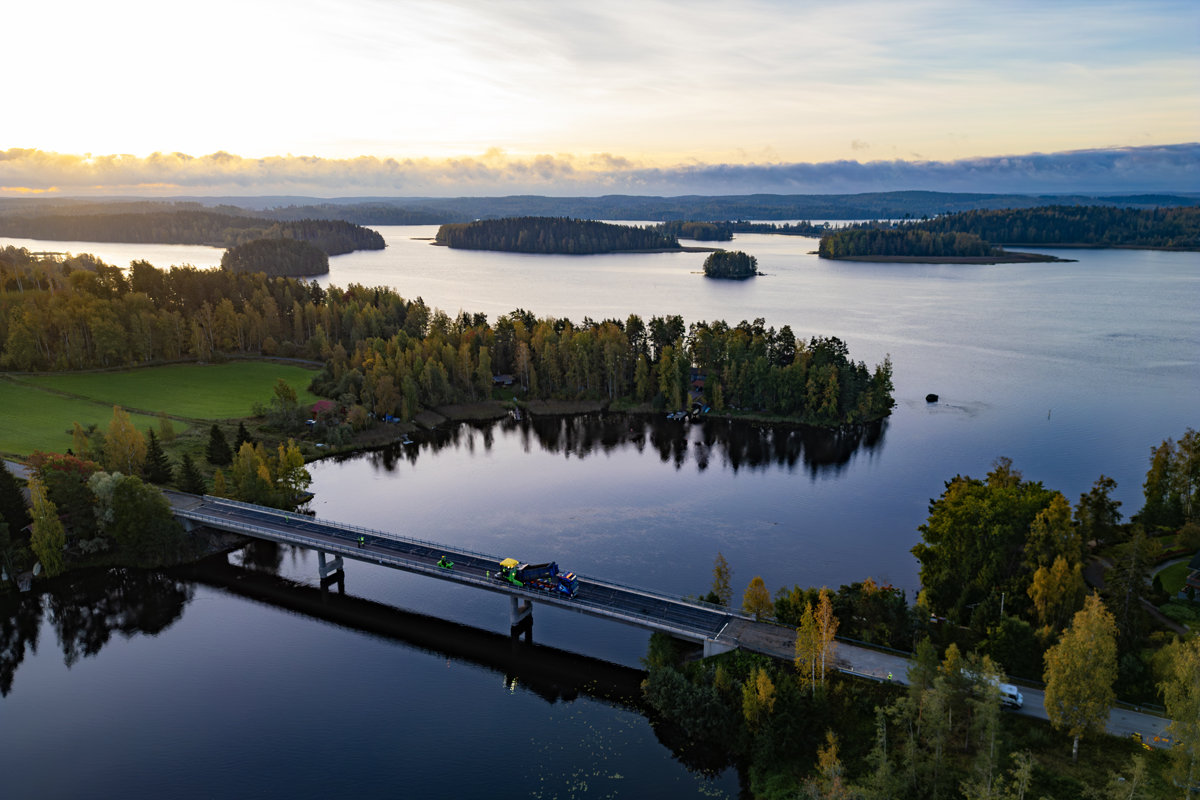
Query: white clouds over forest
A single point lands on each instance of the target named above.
(1171, 168)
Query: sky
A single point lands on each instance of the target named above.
(407, 98)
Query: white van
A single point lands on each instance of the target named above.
(1010, 696)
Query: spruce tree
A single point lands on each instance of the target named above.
(190, 479)
(218, 452)
(12, 502)
(243, 436)
(158, 467)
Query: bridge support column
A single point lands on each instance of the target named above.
(519, 611)
(714, 648)
(327, 568)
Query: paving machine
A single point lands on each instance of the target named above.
(542, 577)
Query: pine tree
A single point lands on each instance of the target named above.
(217, 452)
(12, 502)
(190, 479)
(158, 466)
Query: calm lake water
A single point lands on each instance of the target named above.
(227, 680)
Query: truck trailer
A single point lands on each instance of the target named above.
(542, 577)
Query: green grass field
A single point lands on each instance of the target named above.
(37, 420)
(1173, 578)
(214, 391)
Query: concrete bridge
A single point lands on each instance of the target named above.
(719, 629)
(712, 626)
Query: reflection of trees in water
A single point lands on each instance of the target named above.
(20, 621)
(86, 609)
(728, 443)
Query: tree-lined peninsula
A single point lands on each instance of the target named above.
(979, 236)
(276, 257)
(561, 235)
(388, 355)
(333, 237)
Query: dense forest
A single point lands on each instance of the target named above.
(871, 205)
(727, 264)
(389, 355)
(699, 231)
(553, 235)
(334, 237)
(1091, 225)
(275, 257)
(903, 242)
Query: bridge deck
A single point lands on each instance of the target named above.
(641, 607)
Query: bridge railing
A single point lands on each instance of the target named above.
(303, 518)
(575, 604)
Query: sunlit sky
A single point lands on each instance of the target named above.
(633, 84)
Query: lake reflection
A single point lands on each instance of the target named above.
(592, 721)
(721, 443)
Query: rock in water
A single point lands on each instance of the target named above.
(931, 398)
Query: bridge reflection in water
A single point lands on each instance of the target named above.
(87, 612)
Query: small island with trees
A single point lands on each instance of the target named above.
(734, 265)
(559, 235)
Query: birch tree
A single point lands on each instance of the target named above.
(1080, 671)
(1182, 695)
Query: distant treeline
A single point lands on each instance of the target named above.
(1091, 225)
(726, 264)
(388, 355)
(427, 210)
(872, 205)
(276, 257)
(723, 230)
(553, 235)
(787, 228)
(903, 242)
(972, 233)
(334, 237)
(699, 231)
(367, 214)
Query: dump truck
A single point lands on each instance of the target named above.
(542, 577)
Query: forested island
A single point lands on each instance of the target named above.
(727, 264)
(700, 231)
(560, 235)
(392, 356)
(276, 257)
(334, 237)
(914, 244)
(1096, 226)
(969, 236)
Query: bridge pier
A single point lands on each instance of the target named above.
(519, 611)
(714, 648)
(327, 568)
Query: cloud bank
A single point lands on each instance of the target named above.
(1169, 168)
